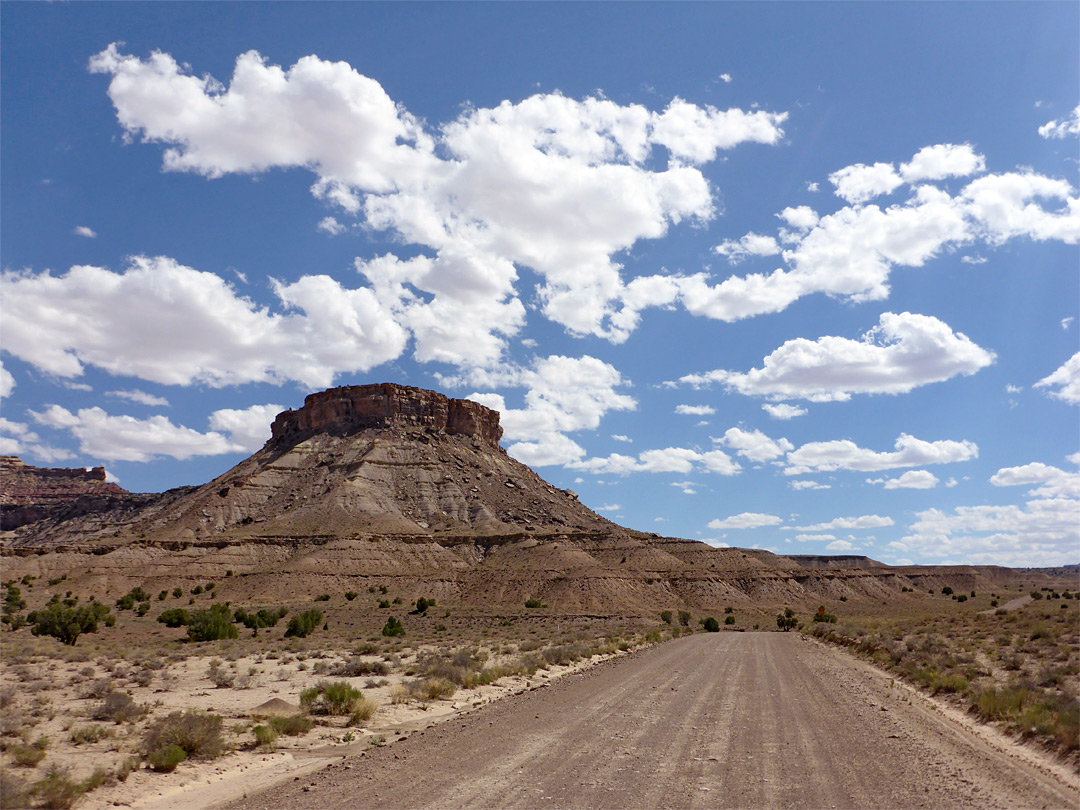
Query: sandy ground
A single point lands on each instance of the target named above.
(196, 785)
(710, 721)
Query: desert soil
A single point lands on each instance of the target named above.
(708, 721)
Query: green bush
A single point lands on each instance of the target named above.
(265, 736)
(304, 624)
(212, 624)
(665, 616)
(174, 617)
(422, 604)
(177, 593)
(822, 616)
(947, 590)
(684, 618)
(324, 597)
(393, 627)
(729, 620)
(787, 620)
(119, 707)
(166, 758)
(533, 603)
(291, 726)
(330, 697)
(67, 623)
(350, 595)
(57, 790)
(196, 733)
(260, 619)
(711, 625)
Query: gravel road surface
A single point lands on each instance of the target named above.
(732, 720)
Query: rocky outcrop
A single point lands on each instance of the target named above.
(29, 493)
(353, 408)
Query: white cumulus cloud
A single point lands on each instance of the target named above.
(783, 410)
(695, 410)
(82, 230)
(248, 428)
(903, 352)
(140, 398)
(746, 520)
(1064, 384)
(844, 454)
(1060, 128)
(913, 479)
(860, 522)
(859, 183)
(754, 445)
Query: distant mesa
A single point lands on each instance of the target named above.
(353, 408)
(30, 493)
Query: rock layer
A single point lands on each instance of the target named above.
(30, 493)
(354, 408)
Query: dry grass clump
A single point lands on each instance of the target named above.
(294, 725)
(119, 707)
(196, 734)
(1018, 668)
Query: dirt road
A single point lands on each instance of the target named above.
(748, 720)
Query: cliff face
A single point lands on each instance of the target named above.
(352, 408)
(30, 493)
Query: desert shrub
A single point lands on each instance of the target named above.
(67, 623)
(393, 627)
(57, 790)
(729, 620)
(960, 597)
(711, 625)
(27, 756)
(304, 624)
(947, 590)
(822, 616)
(211, 624)
(324, 597)
(197, 590)
(177, 593)
(666, 616)
(292, 725)
(423, 604)
(533, 603)
(728, 610)
(260, 619)
(330, 697)
(89, 734)
(196, 733)
(119, 707)
(13, 791)
(684, 618)
(265, 736)
(139, 594)
(1036, 595)
(162, 596)
(220, 677)
(358, 667)
(433, 688)
(166, 758)
(174, 617)
(362, 711)
(384, 603)
(787, 620)
(126, 602)
(350, 595)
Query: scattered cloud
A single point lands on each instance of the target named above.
(913, 479)
(550, 183)
(7, 382)
(16, 439)
(1063, 127)
(249, 428)
(904, 351)
(192, 327)
(861, 522)
(859, 183)
(846, 455)
(331, 226)
(1066, 323)
(746, 520)
(942, 161)
(1066, 380)
(1050, 482)
(806, 484)
(669, 459)
(695, 410)
(752, 244)
(82, 230)
(140, 398)
(125, 438)
(840, 545)
(564, 395)
(611, 507)
(621, 438)
(754, 445)
(814, 538)
(783, 410)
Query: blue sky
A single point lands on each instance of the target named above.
(795, 276)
